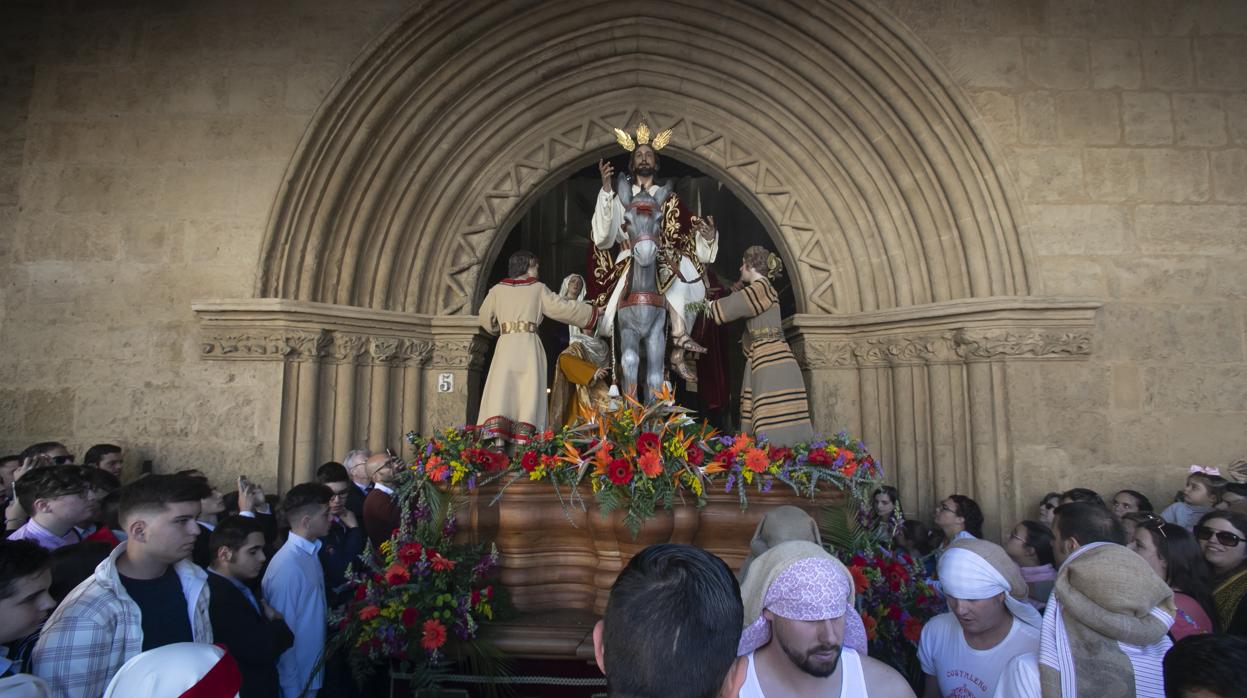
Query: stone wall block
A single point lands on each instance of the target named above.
(1050, 174)
(1171, 278)
(307, 84)
(49, 412)
(1147, 118)
(1229, 168)
(1057, 63)
(1037, 113)
(1205, 389)
(256, 89)
(1075, 276)
(1000, 114)
(1205, 230)
(1200, 438)
(1158, 333)
(1167, 63)
(1091, 17)
(1059, 229)
(1236, 116)
(1221, 63)
(1091, 117)
(992, 63)
(1115, 63)
(1127, 387)
(1199, 119)
(1175, 175)
(1113, 174)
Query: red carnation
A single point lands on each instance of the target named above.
(434, 635)
(779, 454)
(360, 592)
(475, 598)
(410, 617)
(894, 613)
(369, 612)
(647, 441)
(619, 471)
(912, 629)
(857, 560)
(529, 461)
(409, 553)
(819, 457)
(695, 455)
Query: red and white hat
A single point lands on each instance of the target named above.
(180, 670)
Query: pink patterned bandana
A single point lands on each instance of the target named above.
(810, 589)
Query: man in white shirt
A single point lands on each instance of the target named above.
(964, 651)
(295, 587)
(802, 635)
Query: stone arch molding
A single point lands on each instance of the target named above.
(826, 116)
(899, 230)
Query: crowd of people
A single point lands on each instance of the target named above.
(167, 581)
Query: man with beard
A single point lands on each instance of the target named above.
(686, 244)
(802, 635)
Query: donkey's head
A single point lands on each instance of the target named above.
(642, 220)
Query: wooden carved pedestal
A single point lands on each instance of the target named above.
(559, 563)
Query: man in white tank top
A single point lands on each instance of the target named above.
(803, 637)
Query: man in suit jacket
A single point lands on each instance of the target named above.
(361, 485)
(254, 633)
(381, 512)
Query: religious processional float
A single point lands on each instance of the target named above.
(420, 599)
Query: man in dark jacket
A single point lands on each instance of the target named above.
(254, 633)
(346, 536)
(381, 512)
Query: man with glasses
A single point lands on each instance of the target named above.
(47, 453)
(381, 512)
(58, 499)
(345, 540)
(361, 485)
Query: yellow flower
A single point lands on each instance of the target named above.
(747, 474)
(537, 473)
(386, 547)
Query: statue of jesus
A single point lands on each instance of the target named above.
(687, 243)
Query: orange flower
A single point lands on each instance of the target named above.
(397, 574)
(912, 629)
(651, 463)
(871, 626)
(849, 468)
(756, 460)
(441, 564)
(369, 612)
(741, 443)
(434, 635)
(860, 582)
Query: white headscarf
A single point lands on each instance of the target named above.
(973, 570)
(572, 330)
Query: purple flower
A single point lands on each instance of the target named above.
(766, 484)
(450, 526)
(731, 479)
(472, 481)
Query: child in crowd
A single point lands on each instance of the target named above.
(58, 499)
(24, 600)
(885, 513)
(1204, 487)
(921, 542)
(1030, 546)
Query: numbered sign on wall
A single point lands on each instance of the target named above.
(445, 382)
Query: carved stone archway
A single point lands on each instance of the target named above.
(898, 223)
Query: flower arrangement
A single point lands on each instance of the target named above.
(420, 597)
(895, 600)
(642, 457)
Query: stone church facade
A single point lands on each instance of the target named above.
(246, 237)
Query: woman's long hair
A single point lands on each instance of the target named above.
(1184, 562)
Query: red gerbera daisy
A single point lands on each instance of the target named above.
(434, 635)
(619, 471)
(647, 441)
(409, 552)
(695, 455)
(529, 461)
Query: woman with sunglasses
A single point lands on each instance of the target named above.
(1047, 506)
(1171, 552)
(1223, 537)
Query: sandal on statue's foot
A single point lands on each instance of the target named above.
(681, 368)
(686, 342)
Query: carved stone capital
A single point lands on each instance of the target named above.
(459, 353)
(287, 345)
(416, 352)
(899, 350)
(1035, 343)
(820, 354)
(348, 348)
